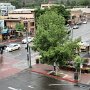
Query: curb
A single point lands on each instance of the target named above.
(56, 77)
(16, 40)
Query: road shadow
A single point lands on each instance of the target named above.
(1, 61)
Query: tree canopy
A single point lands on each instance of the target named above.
(19, 27)
(60, 9)
(52, 40)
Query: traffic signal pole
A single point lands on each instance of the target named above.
(28, 51)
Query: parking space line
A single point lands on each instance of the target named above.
(30, 86)
(11, 88)
(59, 84)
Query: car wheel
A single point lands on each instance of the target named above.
(18, 48)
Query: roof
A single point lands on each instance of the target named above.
(22, 10)
(84, 10)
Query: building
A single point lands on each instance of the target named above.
(44, 6)
(5, 8)
(24, 16)
(78, 14)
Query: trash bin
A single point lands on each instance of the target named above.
(37, 61)
(76, 76)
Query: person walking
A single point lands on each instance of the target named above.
(1, 51)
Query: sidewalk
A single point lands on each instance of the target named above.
(11, 40)
(9, 67)
(66, 75)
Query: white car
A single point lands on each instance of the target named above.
(75, 27)
(28, 39)
(84, 22)
(12, 47)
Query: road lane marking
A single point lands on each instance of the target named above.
(30, 86)
(13, 88)
(59, 84)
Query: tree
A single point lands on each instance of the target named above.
(52, 40)
(78, 62)
(73, 3)
(16, 3)
(19, 28)
(61, 10)
(39, 12)
(68, 3)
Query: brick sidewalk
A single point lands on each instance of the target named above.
(12, 40)
(7, 67)
(66, 75)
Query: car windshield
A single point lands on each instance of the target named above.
(11, 45)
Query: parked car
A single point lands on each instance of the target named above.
(29, 39)
(79, 23)
(75, 27)
(83, 46)
(12, 47)
(84, 22)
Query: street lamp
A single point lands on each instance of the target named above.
(29, 57)
(28, 50)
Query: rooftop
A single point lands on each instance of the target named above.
(84, 10)
(22, 10)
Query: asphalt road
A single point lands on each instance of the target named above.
(21, 56)
(27, 80)
(83, 32)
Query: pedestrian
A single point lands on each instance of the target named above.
(1, 51)
(54, 66)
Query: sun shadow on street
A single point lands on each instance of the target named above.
(1, 61)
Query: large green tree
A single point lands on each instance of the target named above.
(19, 27)
(61, 10)
(52, 40)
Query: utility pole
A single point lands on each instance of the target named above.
(28, 49)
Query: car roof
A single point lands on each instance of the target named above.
(13, 44)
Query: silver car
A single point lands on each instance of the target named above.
(13, 46)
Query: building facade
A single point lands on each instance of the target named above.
(78, 14)
(17, 16)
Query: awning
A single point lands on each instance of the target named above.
(4, 31)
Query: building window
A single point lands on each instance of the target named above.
(32, 24)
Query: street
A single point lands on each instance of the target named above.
(16, 62)
(83, 32)
(27, 80)
(21, 55)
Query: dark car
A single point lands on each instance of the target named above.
(2, 46)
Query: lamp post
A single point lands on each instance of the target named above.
(28, 51)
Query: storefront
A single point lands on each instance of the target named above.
(5, 34)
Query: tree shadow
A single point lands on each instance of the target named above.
(1, 61)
